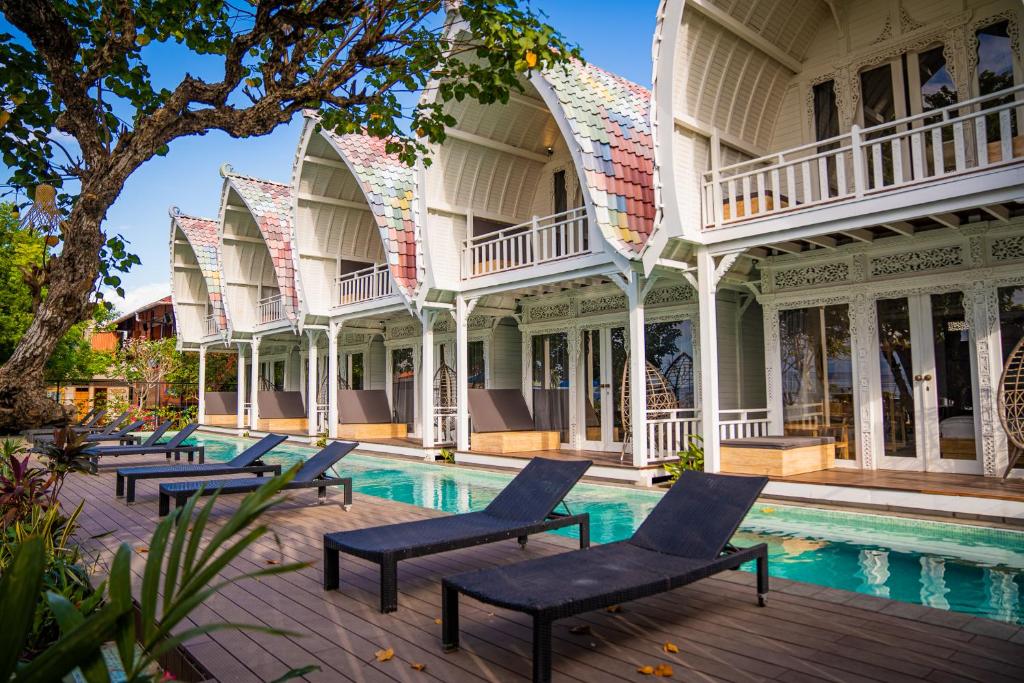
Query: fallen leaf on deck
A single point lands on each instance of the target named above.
(579, 630)
(663, 670)
(142, 549)
(437, 621)
(384, 655)
(614, 609)
(273, 562)
(671, 648)
(417, 666)
(645, 670)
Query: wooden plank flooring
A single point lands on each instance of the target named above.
(807, 633)
(920, 482)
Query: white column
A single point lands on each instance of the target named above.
(201, 410)
(637, 373)
(773, 368)
(241, 386)
(426, 376)
(332, 380)
(706, 286)
(461, 372)
(254, 407)
(311, 356)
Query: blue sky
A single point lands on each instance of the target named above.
(613, 34)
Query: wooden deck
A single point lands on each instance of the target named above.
(807, 633)
(938, 483)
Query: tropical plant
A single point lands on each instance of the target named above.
(180, 574)
(80, 105)
(321, 440)
(447, 456)
(23, 487)
(690, 459)
(68, 452)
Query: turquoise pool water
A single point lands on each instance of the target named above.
(969, 569)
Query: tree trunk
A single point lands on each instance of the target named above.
(23, 400)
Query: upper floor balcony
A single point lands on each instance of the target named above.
(539, 240)
(366, 284)
(911, 153)
(213, 325)
(270, 310)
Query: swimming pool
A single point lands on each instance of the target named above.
(963, 568)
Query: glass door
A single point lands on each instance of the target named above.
(927, 384)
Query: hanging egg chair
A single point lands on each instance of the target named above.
(445, 402)
(1011, 404)
(660, 396)
(679, 376)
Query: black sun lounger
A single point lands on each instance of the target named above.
(248, 461)
(684, 539)
(525, 506)
(312, 475)
(173, 446)
(87, 422)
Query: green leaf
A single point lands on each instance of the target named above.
(19, 593)
(120, 594)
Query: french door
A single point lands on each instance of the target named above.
(927, 384)
(603, 356)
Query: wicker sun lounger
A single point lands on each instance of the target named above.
(312, 475)
(173, 446)
(525, 506)
(684, 539)
(248, 461)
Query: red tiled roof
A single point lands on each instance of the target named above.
(201, 234)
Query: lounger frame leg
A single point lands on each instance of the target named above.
(585, 532)
(762, 577)
(449, 617)
(541, 649)
(119, 486)
(388, 585)
(346, 489)
(202, 455)
(321, 495)
(165, 504)
(332, 569)
(522, 541)
(130, 497)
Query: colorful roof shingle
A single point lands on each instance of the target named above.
(610, 119)
(270, 204)
(201, 234)
(389, 186)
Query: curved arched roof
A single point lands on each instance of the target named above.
(270, 205)
(389, 186)
(609, 117)
(202, 236)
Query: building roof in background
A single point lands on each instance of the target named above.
(390, 189)
(201, 234)
(610, 121)
(270, 204)
(165, 301)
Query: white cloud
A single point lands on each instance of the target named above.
(134, 297)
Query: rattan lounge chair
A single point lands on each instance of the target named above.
(525, 506)
(248, 461)
(173, 446)
(684, 539)
(312, 475)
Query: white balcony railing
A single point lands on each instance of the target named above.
(212, 325)
(540, 240)
(968, 136)
(322, 418)
(270, 309)
(669, 431)
(366, 284)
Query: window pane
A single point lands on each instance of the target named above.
(551, 383)
(995, 58)
(897, 371)
(817, 375)
(826, 114)
(954, 389)
(877, 96)
(1011, 317)
(356, 380)
(403, 386)
(670, 349)
(937, 88)
(475, 362)
(560, 196)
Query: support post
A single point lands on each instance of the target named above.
(332, 380)
(461, 372)
(706, 286)
(311, 397)
(201, 410)
(637, 372)
(427, 418)
(240, 423)
(254, 389)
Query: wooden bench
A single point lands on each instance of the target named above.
(502, 424)
(365, 414)
(778, 456)
(281, 411)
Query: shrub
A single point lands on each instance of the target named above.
(690, 459)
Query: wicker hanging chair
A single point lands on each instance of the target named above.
(1011, 404)
(660, 396)
(445, 396)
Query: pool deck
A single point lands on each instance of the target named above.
(806, 633)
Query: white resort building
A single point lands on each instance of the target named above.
(813, 227)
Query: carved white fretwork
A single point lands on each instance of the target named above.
(917, 261)
(680, 294)
(603, 304)
(814, 275)
(1008, 248)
